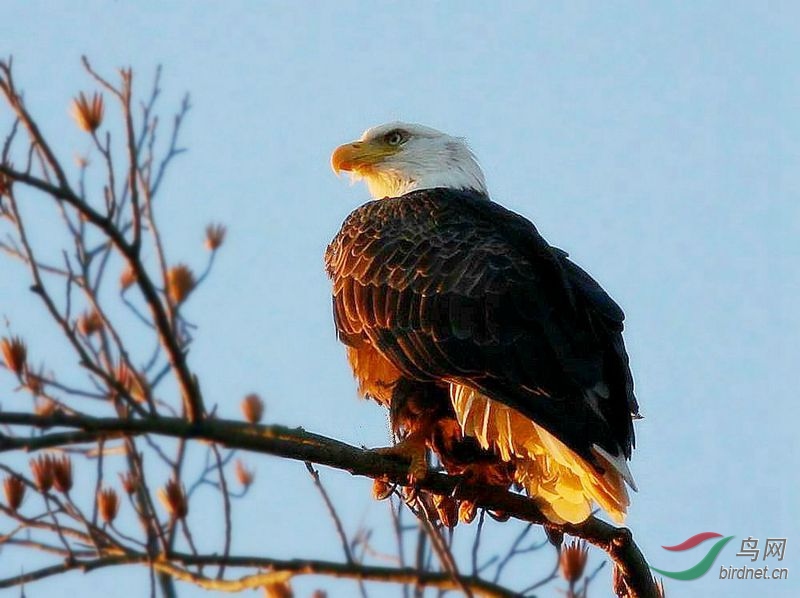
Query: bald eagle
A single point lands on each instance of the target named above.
(488, 345)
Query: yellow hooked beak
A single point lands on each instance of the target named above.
(360, 156)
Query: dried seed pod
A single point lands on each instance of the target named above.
(33, 382)
(173, 498)
(253, 408)
(215, 236)
(90, 323)
(180, 283)
(5, 185)
(14, 489)
(127, 278)
(42, 470)
(130, 482)
(46, 407)
(130, 382)
(88, 114)
(278, 589)
(572, 560)
(15, 354)
(243, 475)
(108, 504)
(62, 473)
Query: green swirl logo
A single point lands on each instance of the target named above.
(705, 563)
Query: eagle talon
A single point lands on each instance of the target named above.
(469, 477)
(457, 487)
(411, 449)
(410, 494)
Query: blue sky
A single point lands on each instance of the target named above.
(657, 143)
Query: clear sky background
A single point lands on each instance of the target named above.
(656, 142)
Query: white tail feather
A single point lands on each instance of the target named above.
(619, 463)
(564, 483)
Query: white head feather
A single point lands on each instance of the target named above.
(401, 157)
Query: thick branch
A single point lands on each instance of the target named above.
(301, 445)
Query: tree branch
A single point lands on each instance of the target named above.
(276, 570)
(301, 445)
(177, 359)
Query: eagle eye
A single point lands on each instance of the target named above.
(395, 137)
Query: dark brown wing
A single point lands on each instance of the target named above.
(449, 285)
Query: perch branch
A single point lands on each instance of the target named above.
(298, 444)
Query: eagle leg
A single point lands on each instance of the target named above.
(416, 408)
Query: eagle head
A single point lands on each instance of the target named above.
(396, 158)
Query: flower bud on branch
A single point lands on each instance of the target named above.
(14, 489)
(180, 282)
(215, 236)
(15, 354)
(253, 408)
(243, 475)
(42, 470)
(173, 498)
(573, 561)
(108, 504)
(130, 482)
(127, 278)
(88, 114)
(89, 323)
(62, 473)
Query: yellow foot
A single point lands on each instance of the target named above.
(411, 449)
